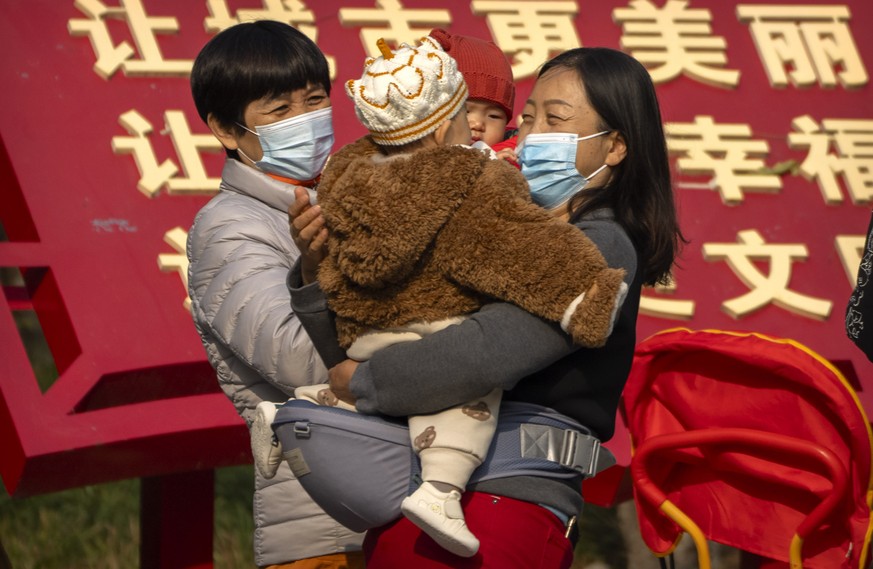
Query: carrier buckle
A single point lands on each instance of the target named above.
(579, 452)
(569, 448)
(302, 429)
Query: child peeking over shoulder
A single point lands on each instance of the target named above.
(491, 90)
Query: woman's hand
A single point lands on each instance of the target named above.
(309, 234)
(339, 377)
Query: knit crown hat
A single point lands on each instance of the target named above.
(484, 66)
(406, 94)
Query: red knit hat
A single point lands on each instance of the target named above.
(484, 66)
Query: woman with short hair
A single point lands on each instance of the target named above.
(264, 90)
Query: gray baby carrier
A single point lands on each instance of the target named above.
(359, 468)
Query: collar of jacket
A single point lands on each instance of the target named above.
(241, 179)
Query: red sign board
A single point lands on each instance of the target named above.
(104, 164)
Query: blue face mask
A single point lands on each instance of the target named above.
(297, 147)
(548, 162)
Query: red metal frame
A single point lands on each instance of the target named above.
(720, 446)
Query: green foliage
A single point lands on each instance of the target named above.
(94, 526)
(98, 526)
(232, 543)
(36, 347)
(600, 538)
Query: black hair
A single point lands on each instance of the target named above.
(250, 61)
(639, 191)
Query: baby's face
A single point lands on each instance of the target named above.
(487, 121)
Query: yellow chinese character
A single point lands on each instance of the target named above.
(852, 139)
(851, 249)
(154, 175)
(292, 12)
(726, 152)
(530, 31)
(813, 40)
(673, 40)
(143, 29)
(176, 262)
(660, 307)
(765, 289)
(394, 21)
(188, 148)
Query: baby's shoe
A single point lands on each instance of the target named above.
(439, 515)
(266, 449)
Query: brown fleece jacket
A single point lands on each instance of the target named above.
(439, 232)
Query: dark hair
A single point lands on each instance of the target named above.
(639, 192)
(250, 61)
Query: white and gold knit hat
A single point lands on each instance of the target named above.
(406, 94)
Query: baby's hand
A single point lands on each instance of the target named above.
(508, 154)
(340, 376)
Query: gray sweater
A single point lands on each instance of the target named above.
(502, 346)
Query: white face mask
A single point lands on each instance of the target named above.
(297, 147)
(548, 163)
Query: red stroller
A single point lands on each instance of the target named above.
(750, 441)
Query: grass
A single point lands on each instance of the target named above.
(98, 527)
(86, 527)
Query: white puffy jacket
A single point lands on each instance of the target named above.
(239, 253)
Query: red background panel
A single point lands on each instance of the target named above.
(135, 396)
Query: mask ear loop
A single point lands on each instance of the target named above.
(594, 173)
(581, 138)
(595, 135)
(239, 150)
(244, 127)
